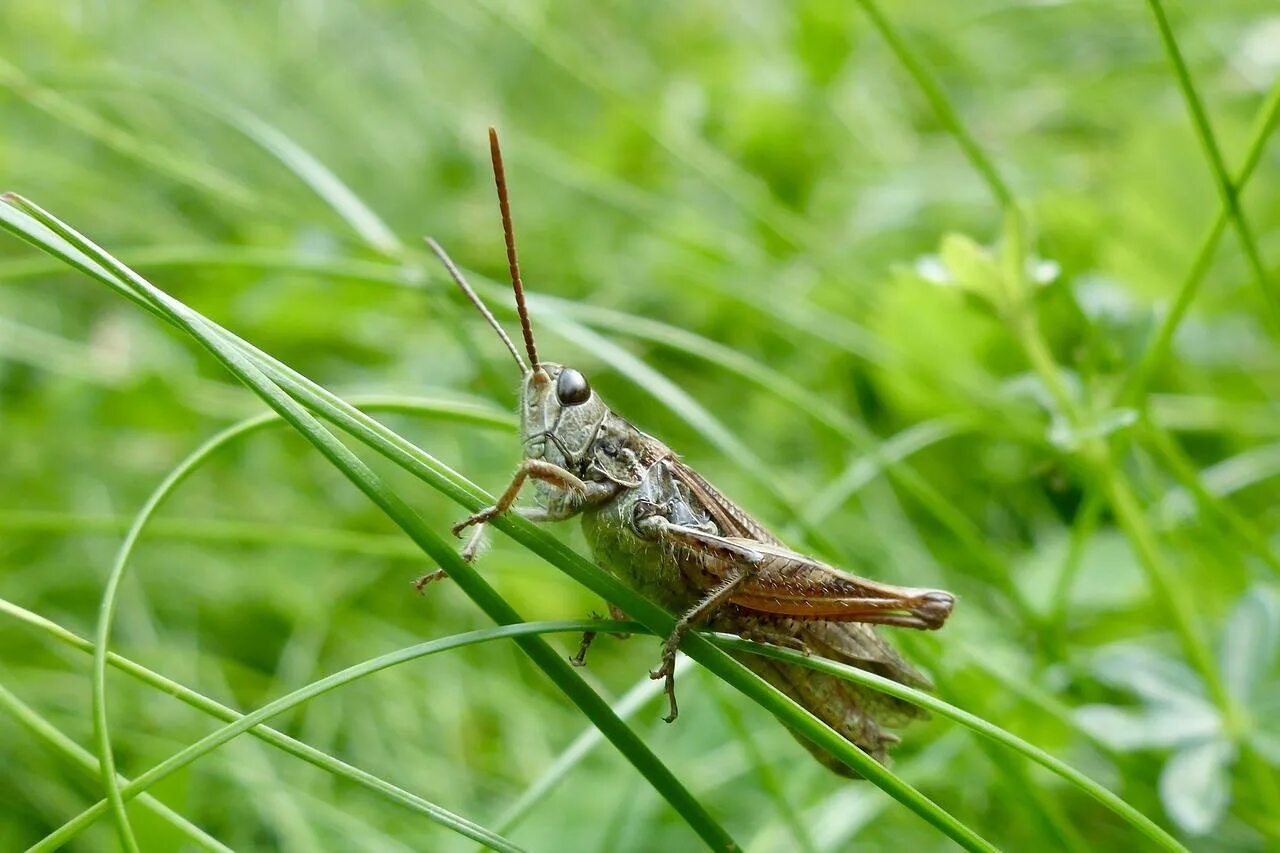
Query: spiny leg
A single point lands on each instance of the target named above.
(429, 577)
(589, 637)
(473, 544)
(714, 600)
(468, 554)
(572, 496)
(539, 469)
(741, 561)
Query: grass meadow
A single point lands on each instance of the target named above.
(981, 296)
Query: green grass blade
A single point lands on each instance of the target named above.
(571, 756)
(1228, 191)
(1162, 340)
(546, 658)
(849, 673)
(123, 142)
(418, 463)
(940, 103)
(30, 719)
(865, 467)
(943, 709)
(765, 773)
(283, 742)
(298, 697)
(111, 590)
(298, 160)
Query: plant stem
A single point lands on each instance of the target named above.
(1204, 131)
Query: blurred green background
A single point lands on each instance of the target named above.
(762, 242)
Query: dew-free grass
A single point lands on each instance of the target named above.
(804, 246)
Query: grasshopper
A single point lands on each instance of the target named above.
(658, 526)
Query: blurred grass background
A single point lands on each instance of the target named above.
(763, 178)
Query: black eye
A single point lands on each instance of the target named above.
(572, 388)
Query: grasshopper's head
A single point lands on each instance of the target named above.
(559, 413)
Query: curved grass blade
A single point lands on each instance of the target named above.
(244, 363)
(298, 160)
(111, 590)
(283, 742)
(50, 734)
(989, 730)
(298, 697)
(846, 672)
(417, 462)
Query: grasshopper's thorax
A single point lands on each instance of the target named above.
(560, 416)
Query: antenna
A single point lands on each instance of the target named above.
(456, 275)
(500, 178)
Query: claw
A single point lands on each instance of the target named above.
(667, 670)
(479, 518)
(580, 659)
(429, 577)
(671, 697)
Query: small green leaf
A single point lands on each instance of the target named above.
(1130, 729)
(1013, 257)
(1150, 676)
(1249, 640)
(971, 267)
(1067, 437)
(1000, 279)
(1195, 785)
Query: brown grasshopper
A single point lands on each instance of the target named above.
(657, 525)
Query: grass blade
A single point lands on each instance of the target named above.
(1228, 191)
(29, 718)
(236, 360)
(283, 742)
(418, 463)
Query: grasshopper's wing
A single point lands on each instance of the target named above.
(857, 644)
(775, 595)
(825, 609)
(731, 519)
(770, 579)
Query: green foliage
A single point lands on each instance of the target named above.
(964, 296)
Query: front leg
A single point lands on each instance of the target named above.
(742, 562)
(576, 494)
(539, 469)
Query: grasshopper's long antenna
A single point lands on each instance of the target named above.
(456, 275)
(500, 178)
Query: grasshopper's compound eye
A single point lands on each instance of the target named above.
(572, 388)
